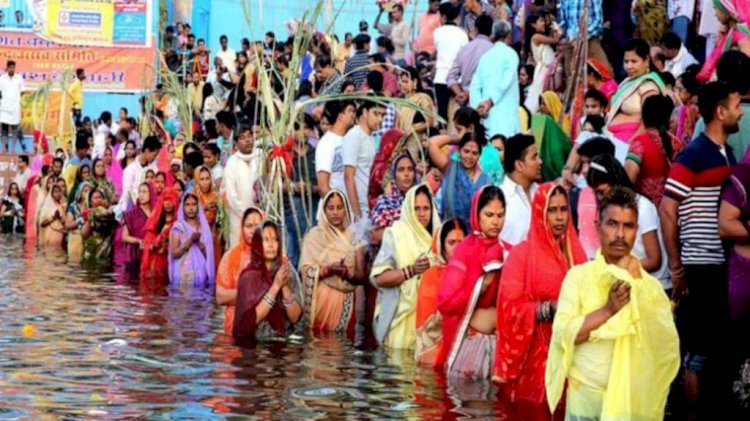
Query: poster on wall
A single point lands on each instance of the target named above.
(102, 23)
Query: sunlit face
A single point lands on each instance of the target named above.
(85, 173)
(531, 166)
(204, 180)
(374, 117)
(635, 65)
(617, 231)
(423, 209)
(144, 195)
(245, 142)
(160, 181)
(469, 155)
(492, 218)
(404, 174)
(190, 207)
(558, 214)
(593, 107)
(451, 242)
(270, 244)
(335, 211)
(99, 169)
(249, 225)
(149, 176)
(97, 199)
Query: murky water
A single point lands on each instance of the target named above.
(76, 344)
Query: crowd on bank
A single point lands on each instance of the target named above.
(572, 247)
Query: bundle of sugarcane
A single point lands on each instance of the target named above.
(574, 92)
(276, 116)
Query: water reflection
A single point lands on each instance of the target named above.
(102, 348)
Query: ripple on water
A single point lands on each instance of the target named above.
(102, 350)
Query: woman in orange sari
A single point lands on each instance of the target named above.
(429, 320)
(209, 200)
(333, 268)
(233, 263)
(52, 218)
(155, 263)
(529, 287)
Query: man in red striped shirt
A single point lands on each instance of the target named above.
(689, 218)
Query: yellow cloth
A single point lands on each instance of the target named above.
(623, 372)
(69, 175)
(76, 94)
(407, 239)
(555, 108)
(196, 95)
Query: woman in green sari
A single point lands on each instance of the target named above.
(74, 220)
(102, 182)
(552, 139)
(98, 229)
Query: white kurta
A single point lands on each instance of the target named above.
(10, 104)
(240, 176)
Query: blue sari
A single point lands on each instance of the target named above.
(458, 189)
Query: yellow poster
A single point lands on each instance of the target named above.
(47, 114)
(80, 22)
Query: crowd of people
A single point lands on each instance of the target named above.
(572, 247)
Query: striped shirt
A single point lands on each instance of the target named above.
(695, 181)
(570, 13)
(357, 68)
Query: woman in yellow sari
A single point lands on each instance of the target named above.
(210, 200)
(332, 268)
(52, 217)
(551, 132)
(398, 268)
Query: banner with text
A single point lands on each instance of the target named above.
(107, 69)
(103, 23)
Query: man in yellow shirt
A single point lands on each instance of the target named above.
(195, 92)
(76, 95)
(614, 342)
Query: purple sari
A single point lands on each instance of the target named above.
(194, 269)
(737, 193)
(135, 219)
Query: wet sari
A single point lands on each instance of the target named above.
(469, 354)
(76, 208)
(532, 275)
(333, 302)
(114, 171)
(254, 282)
(429, 320)
(31, 196)
(195, 269)
(154, 262)
(53, 235)
(210, 202)
(135, 220)
(231, 266)
(406, 240)
(97, 247)
(12, 222)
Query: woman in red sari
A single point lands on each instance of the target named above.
(468, 294)
(155, 263)
(529, 288)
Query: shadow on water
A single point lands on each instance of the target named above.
(76, 343)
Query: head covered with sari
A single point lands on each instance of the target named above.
(196, 264)
(387, 208)
(156, 222)
(211, 196)
(552, 136)
(135, 217)
(254, 282)
(737, 11)
(382, 163)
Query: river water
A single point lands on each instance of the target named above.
(75, 343)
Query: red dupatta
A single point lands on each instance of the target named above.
(464, 269)
(533, 273)
(149, 262)
(253, 283)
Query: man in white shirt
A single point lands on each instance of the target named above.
(23, 174)
(227, 55)
(241, 174)
(523, 168)
(329, 159)
(680, 14)
(678, 57)
(133, 174)
(449, 39)
(400, 31)
(359, 153)
(11, 86)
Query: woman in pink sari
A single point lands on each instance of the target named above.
(134, 228)
(530, 285)
(468, 294)
(114, 169)
(734, 16)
